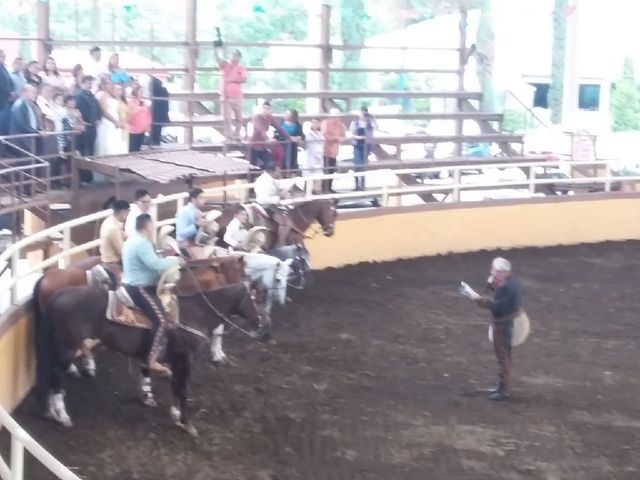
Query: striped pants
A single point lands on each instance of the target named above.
(502, 333)
(146, 300)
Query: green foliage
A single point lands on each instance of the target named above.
(625, 101)
(557, 60)
(484, 43)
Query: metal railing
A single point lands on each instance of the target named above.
(21, 441)
(452, 186)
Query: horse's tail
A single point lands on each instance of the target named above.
(43, 347)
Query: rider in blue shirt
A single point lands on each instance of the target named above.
(141, 268)
(189, 217)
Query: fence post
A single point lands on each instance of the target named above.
(17, 459)
(66, 246)
(385, 195)
(456, 185)
(153, 211)
(308, 189)
(15, 260)
(607, 180)
(532, 180)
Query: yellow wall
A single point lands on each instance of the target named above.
(441, 229)
(17, 364)
(404, 233)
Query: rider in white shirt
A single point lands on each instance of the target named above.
(269, 194)
(236, 233)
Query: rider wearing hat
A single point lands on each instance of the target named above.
(141, 270)
(504, 305)
(189, 218)
(269, 194)
(236, 233)
(112, 237)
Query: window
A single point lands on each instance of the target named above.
(589, 97)
(540, 96)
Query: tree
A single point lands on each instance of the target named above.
(354, 28)
(556, 87)
(625, 101)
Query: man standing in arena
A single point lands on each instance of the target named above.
(504, 307)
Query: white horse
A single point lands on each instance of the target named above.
(270, 273)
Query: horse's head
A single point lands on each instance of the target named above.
(300, 275)
(326, 215)
(281, 279)
(233, 268)
(252, 309)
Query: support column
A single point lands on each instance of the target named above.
(42, 14)
(318, 32)
(571, 82)
(462, 61)
(191, 59)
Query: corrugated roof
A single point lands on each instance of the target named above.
(166, 167)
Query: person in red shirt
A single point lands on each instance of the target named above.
(260, 154)
(233, 76)
(139, 119)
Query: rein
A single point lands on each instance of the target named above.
(224, 318)
(315, 229)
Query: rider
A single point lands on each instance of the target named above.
(189, 218)
(268, 194)
(236, 233)
(112, 237)
(141, 205)
(141, 269)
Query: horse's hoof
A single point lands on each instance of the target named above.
(73, 371)
(222, 362)
(149, 402)
(190, 429)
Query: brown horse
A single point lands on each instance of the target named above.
(301, 217)
(75, 314)
(197, 275)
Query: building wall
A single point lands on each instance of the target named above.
(407, 232)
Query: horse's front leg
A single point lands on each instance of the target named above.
(146, 390)
(56, 405)
(88, 360)
(218, 357)
(181, 368)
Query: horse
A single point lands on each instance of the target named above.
(78, 313)
(200, 275)
(301, 275)
(301, 217)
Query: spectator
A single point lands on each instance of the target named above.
(94, 66)
(362, 133)
(111, 130)
(77, 74)
(141, 205)
(6, 94)
(51, 76)
(91, 115)
(159, 109)
(60, 119)
(32, 74)
(48, 119)
(24, 120)
(123, 113)
(233, 76)
(117, 74)
(292, 126)
(313, 153)
(74, 115)
(139, 119)
(260, 155)
(17, 76)
(334, 133)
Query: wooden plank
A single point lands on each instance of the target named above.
(328, 94)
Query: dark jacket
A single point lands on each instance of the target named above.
(506, 301)
(6, 86)
(159, 106)
(20, 123)
(89, 107)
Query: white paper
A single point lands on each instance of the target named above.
(468, 292)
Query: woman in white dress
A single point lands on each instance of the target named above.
(314, 148)
(111, 131)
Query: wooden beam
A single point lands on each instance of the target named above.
(191, 61)
(327, 94)
(42, 13)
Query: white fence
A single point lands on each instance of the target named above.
(453, 186)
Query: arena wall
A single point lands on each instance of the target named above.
(454, 228)
(378, 236)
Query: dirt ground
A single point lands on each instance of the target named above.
(376, 374)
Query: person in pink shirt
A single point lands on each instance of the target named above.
(139, 119)
(233, 76)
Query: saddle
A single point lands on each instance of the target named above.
(122, 310)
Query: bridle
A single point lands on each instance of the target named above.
(311, 223)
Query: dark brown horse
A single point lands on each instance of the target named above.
(197, 275)
(75, 314)
(301, 217)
